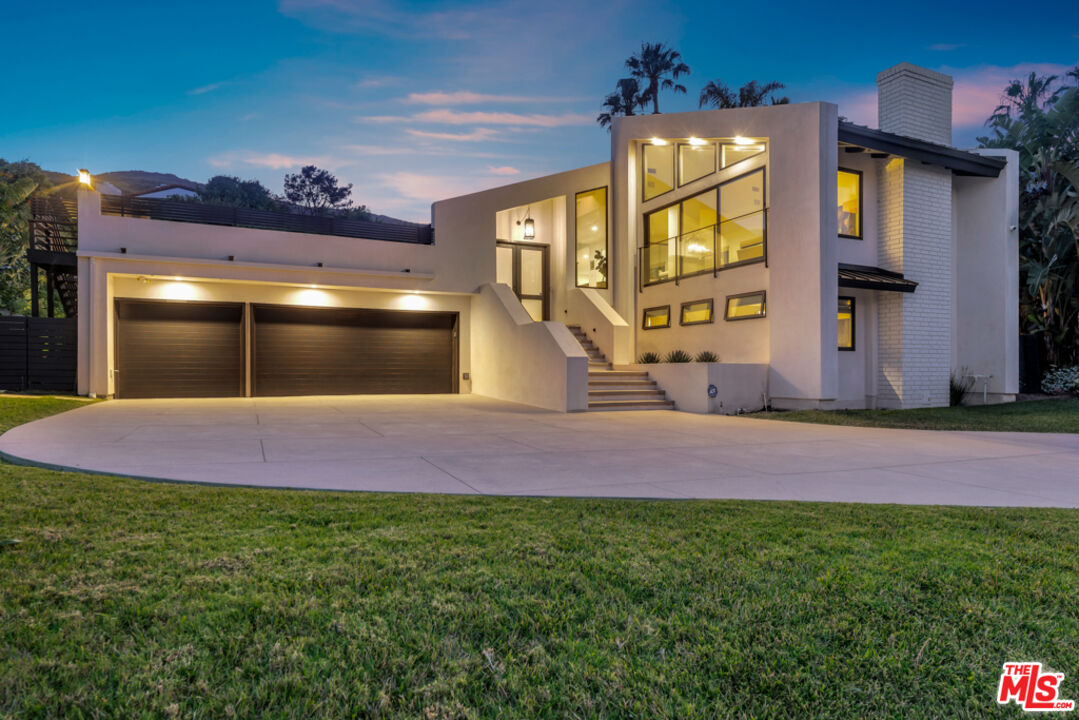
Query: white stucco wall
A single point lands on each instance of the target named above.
(740, 387)
(986, 271)
(800, 276)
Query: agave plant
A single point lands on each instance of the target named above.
(707, 356)
(648, 358)
(678, 356)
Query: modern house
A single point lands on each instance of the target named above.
(826, 265)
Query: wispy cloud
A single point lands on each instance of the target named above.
(503, 170)
(385, 18)
(454, 117)
(208, 88)
(946, 47)
(467, 97)
(377, 81)
(477, 135)
(271, 160)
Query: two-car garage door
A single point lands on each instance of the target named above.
(189, 349)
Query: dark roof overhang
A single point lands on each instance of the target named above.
(864, 277)
(958, 161)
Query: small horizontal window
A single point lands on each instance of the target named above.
(657, 317)
(845, 323)
(745, 306)
(697, 312)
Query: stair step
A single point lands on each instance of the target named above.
(628, 384)
(595, 373)
(635, 395)
(602, 405)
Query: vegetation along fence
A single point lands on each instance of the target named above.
(178, 211)
(38, 353)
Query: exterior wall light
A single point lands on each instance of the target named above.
(739, 140)
(696, 142)
(529, 229)
(84, 178)
(658, 141)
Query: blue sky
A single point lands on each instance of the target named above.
(412, 102)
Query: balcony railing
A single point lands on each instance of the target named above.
(733, 242)
(193, 212)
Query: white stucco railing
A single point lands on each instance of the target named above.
(603, 325)
(519, 360)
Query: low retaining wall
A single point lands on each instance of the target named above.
(740, 387)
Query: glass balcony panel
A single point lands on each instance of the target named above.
(698, 251)
(741, 239)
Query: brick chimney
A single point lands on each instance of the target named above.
(915, 102)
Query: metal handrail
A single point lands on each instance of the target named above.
(644, 264)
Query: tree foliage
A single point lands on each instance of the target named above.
(622, 102)
(18, 181)
(1039, 118)
(317, 191)
(716, 94)
(234, 192)
(657, 67)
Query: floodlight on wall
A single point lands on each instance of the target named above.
(658, 141)
(84, 177)
(696, 142)
(739, 140)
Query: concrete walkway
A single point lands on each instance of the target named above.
(471, 444)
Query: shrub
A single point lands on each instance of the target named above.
(959, 384)
(648, 358)
(678, 356)
(707, 356)
(1059, 381)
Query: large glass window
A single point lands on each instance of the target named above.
(695, 161)
(742, 224)
(658, 166)
(592, 238)
(657, 317)
(850, 203)
(845, 323)
(745, 306)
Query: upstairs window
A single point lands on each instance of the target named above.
(849, 199)
(695, 160)
(658, 170)
(745, 306)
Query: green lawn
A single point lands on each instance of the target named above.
(19, 409)
(132, 599)
(1055, 415)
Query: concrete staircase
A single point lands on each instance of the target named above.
(610, 389)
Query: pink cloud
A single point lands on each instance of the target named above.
(504, 170)
(272, 160)
(453, 117)
(477, 135)
(466, 97)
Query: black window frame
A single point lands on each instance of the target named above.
(606, 235)
(678, 163)
(853, 325)
(764, 306)
(644, 170)
(644, 317)
(711, 312)
(861, 203)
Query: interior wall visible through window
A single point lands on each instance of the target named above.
(849, 197)
(591, 252)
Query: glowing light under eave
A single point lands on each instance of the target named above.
(414, 302)
(739, 140)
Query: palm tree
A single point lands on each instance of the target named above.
(716, 94)
(1041, 122)
(625, 99)
(657, 66)
(1027, 98)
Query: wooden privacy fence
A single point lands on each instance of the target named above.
(38, 353)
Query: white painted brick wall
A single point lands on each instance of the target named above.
(915, 102)
(915, 329)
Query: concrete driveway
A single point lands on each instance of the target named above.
(471, 444)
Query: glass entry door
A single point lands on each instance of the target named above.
(523, 266)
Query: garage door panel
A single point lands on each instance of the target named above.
(179, 349)
(303, 351)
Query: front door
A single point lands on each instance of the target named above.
(524, 267)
